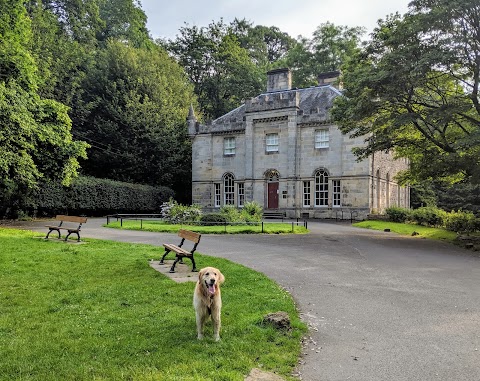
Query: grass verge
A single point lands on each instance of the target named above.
(97, 311)
(156, 226)
(409, 229)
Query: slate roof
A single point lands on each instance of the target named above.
(314, 104)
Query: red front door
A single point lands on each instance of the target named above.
(272, 195)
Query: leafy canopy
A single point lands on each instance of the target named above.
(414, 89)
(35, 133)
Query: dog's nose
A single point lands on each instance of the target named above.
(212, 281)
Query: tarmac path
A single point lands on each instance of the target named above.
(380, 307)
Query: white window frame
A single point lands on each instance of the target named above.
(241, 195)
(321, 188)
(307, 197)
(217, 195)
(228, 189)
(229, 146)
(322, 139)
(336, 194)
(271, 142)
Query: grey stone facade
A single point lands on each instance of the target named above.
(282, 150)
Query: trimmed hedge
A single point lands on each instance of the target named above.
(97, 197)
(213, 219)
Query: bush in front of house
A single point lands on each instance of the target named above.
(252, 211)
(173, 212)
(461, 221)
(213, 219)
(398, 214)
(231, 213)
(429, 216)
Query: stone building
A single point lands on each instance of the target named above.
(282, 150)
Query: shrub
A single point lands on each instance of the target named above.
(397, 214)
(231, 213)
(429, 216)
(213, 219)
(460, 221)
(174, 212)
(252, 211)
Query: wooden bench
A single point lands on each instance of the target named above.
(70, 229)
(180, 251)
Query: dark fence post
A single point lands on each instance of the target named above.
(141, 223)
(121, 221)
(262, 226)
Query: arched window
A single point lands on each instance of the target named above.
(272, 175)
(228, 189)
(321, 188)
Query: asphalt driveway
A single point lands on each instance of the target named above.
(379, 306)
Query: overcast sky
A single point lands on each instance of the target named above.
(296, 18)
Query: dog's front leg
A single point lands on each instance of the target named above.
(216, 326)
(200, 323)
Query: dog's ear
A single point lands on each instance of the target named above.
(200, 274)
(221, 278)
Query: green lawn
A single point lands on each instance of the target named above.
(409, 229)
(158, 226)
(97, 311)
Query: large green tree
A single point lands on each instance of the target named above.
(137, 100)
(265, 45)
(222, 71)
(330, 46)
(35, 137)
(414, 90)
(126, 97)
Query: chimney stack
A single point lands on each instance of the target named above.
(329, 78)
(278, 80)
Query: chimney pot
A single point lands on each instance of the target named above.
(279, 79)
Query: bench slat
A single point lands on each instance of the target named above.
(176, 249)
(62, 228)
(80, 220)
(191, 236)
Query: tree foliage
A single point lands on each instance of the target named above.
(330, 46)
(35, 133)
(221, 70)
(414, 90)
(126, 97)
(265, 45)
(137, 102)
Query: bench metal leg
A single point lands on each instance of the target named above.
(172, 269)
(179, 259)
(163, 257)
(68, 235)
(194, 268)
(51, 230)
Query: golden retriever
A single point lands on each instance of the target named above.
(207, 300)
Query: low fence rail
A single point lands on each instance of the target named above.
(157, 217)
